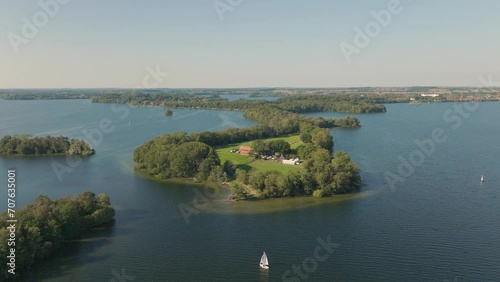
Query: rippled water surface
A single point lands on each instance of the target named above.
(439, 224)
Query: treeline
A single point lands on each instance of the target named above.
(328, 103)
(292, 103)
(48, 145)
(289, 122)
(43, 226)
(49, 94)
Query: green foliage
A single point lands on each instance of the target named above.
(333, 174)
(322, 139)
(328, 103)
(326, 174)
(276, 146)
(80, 147)
(238, 192)
(230, 169)
(319, 193)
(44, 225)
(28, 145)
(305, 151)
(174, 155)
(242, 176)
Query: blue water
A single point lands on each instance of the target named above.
(438, 224)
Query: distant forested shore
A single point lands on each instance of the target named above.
(48, 145)
(354, 95)
(296, 104)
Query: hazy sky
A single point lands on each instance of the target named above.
(257, 43)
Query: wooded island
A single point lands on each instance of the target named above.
(316, 169)
(48, 145)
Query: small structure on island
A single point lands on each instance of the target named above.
(245, 150)
(295, 161)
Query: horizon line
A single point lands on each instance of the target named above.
(254, 87)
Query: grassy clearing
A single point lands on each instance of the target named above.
(248, 163)
(269, 165)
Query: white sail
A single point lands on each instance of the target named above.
(263, 261)
(482, 178)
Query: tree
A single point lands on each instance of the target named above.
(230, 169)
(257, 180)
(259, 146)
(304, 151)
(280, 146)
(323, 139)
(87, 202)
(44, 224)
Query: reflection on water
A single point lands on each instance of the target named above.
(264, 275)
(282, 204)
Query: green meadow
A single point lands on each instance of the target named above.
(248, 163)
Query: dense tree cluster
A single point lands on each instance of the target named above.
(291, 103)
(175, 155)
(328, 103)
(275, 146)
(28, 145)
(44, 225)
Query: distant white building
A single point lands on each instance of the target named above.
(291, 161)
(429, 95)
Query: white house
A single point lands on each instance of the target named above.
(291, 161)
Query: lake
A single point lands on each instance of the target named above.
(436, 222)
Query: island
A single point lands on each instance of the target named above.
(286, 155)
(44, 226)
(49, 145)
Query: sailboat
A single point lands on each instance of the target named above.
(263, 261)
(482, 178)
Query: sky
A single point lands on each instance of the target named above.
(247, 43)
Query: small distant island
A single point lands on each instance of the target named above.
(45, 225)
(48, 145)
